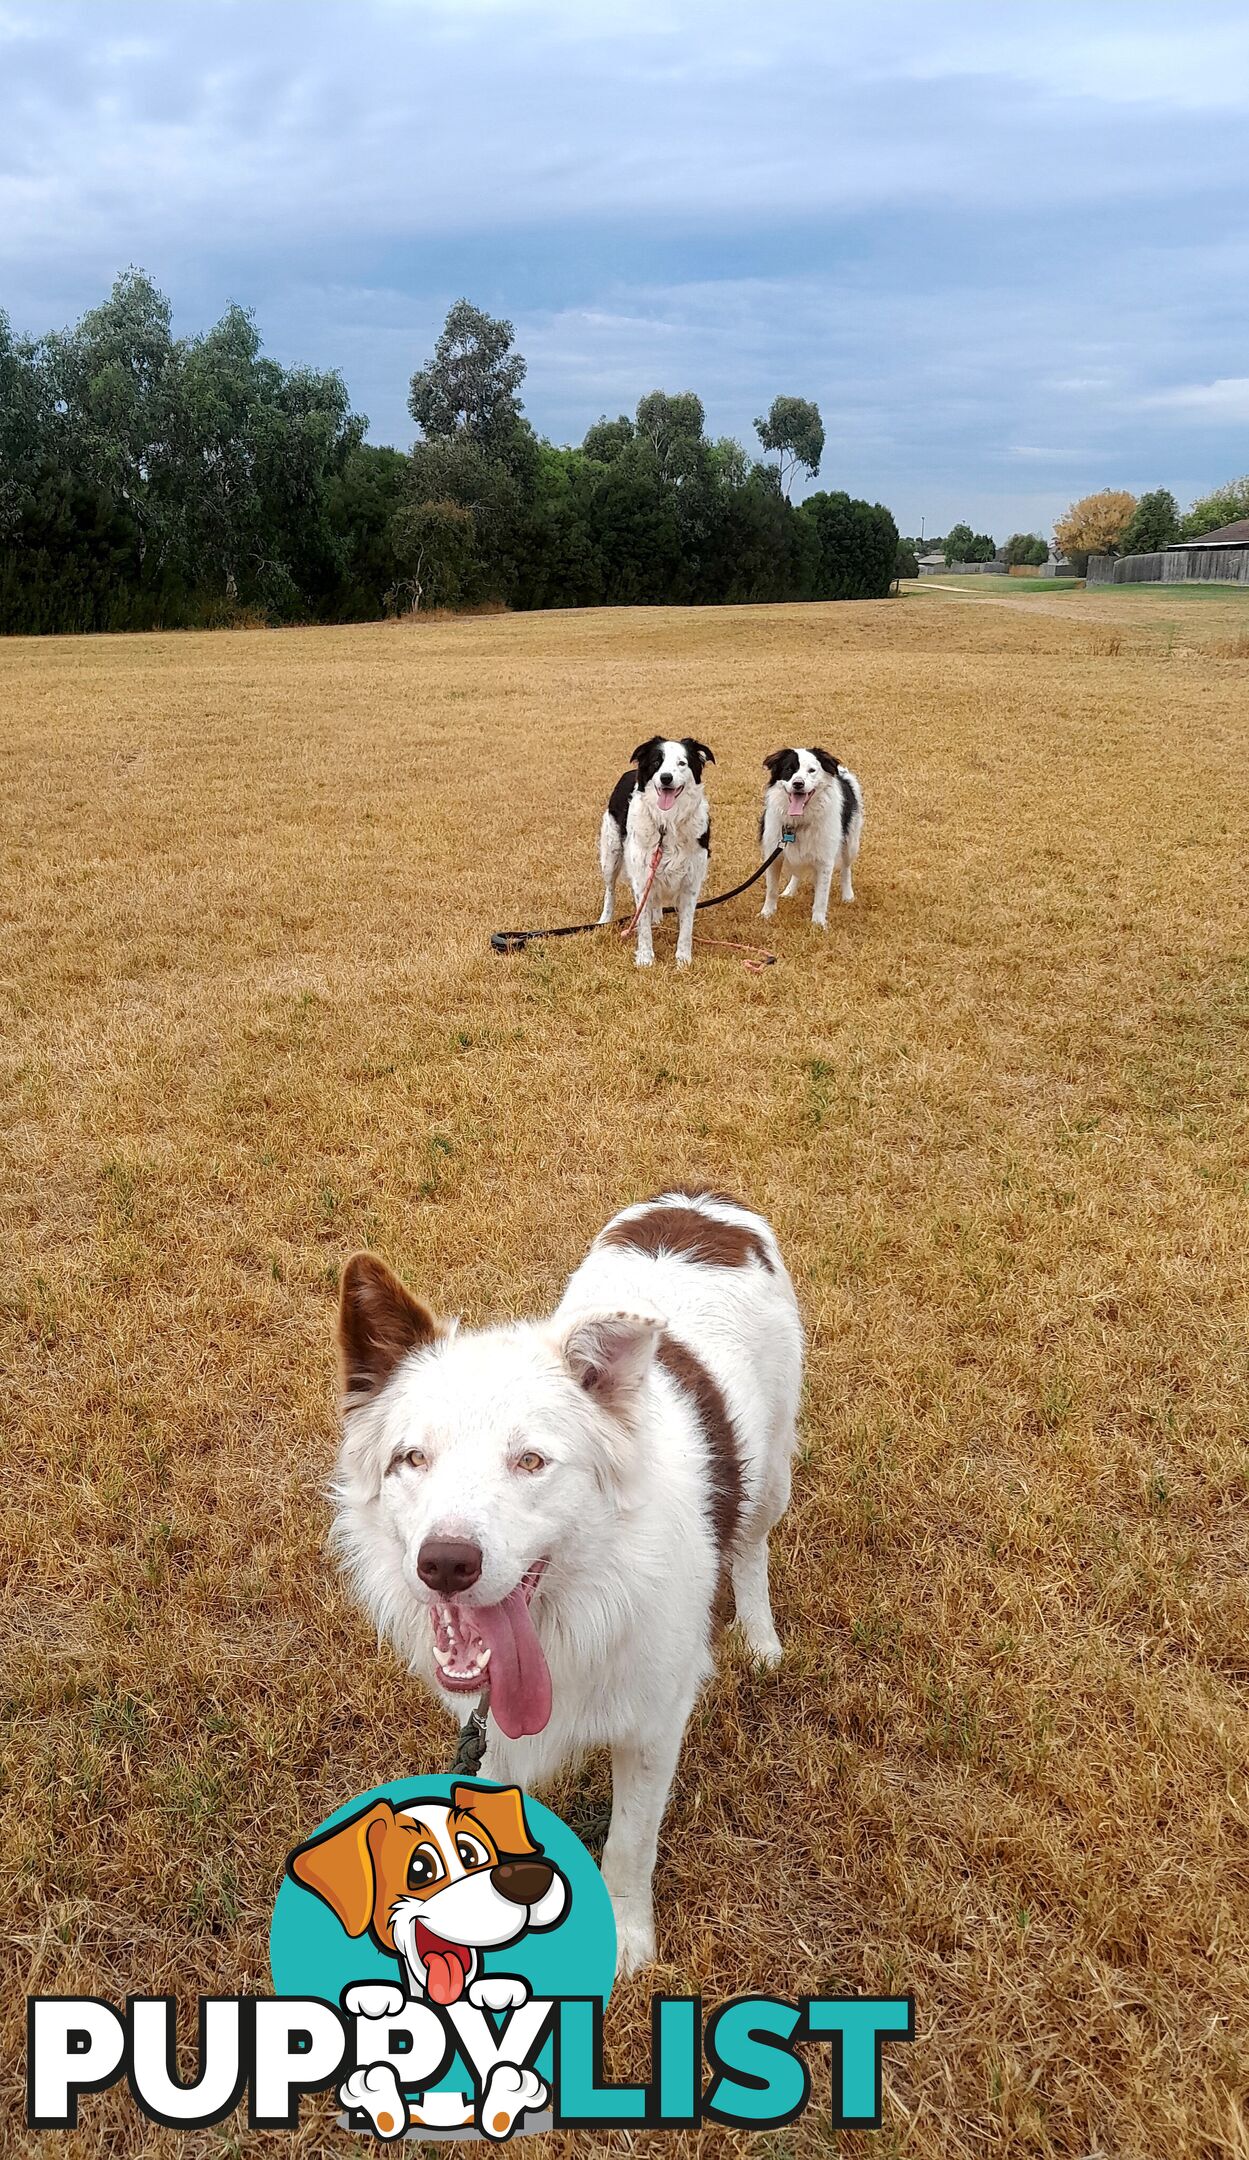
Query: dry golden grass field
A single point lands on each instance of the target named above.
(998, 1115)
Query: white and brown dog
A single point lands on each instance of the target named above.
(813, 811)
(660, 804)
(434, 1884)
(549, 1508)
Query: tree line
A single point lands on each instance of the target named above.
(1115, 522)
(1110, 522)
(148, 481)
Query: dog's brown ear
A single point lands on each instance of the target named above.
(501, 1815)
(379, 1322)
(826, 759)
(338, 1866)
(771, 763)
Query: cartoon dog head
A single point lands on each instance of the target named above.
(667, 767)
(434, 1883)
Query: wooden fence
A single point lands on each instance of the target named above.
(1172, 566)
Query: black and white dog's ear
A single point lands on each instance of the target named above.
(698, 753)
(652, 743)
(774, 763)
(826, 759)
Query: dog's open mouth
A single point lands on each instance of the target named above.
(447, 1965)
(496, 1646)
(797, 804)
(666, 796)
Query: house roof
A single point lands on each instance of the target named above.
(1236, 535)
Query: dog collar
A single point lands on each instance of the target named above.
(788, 833)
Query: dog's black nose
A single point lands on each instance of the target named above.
(522, 1882)
(448, 1565)
(797, 787)
(665, 779)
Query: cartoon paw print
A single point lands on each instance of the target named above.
(374, 1999)
(510, 2093)
(499, 1991)
(375, 2091)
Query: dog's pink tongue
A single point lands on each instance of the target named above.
(797, 804)
(520, 1685)
(444, 1975)
(665, 797)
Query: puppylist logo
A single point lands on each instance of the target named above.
(442, 1953)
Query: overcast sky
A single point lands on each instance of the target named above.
(1005, 248)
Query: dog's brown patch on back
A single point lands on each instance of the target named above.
(713, 1192)
(724, 1464)
(691, 1234)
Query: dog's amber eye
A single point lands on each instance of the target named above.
(531, 1461)
(424, 1868)
(471, 1852)
(415, 1458)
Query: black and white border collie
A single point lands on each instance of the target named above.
(661, 801)
(813, 808)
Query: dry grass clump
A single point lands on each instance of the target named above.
(998, 1115)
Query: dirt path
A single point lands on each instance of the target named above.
(1038, 604)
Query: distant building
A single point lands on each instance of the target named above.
(1223, 536)
(936, 565)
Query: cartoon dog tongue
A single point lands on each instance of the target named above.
(520, 1685)
(446, 1966)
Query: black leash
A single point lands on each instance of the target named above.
(516, 940)
(472, 1741)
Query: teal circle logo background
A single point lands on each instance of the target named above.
(311, 1954)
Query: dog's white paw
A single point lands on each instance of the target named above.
(374, 1999)
(765, 1650)
(820, 922)
(644, 959)
(376, 2092)
(510, 2093)
(790, 889)
(685, 959)
(498, 1991)
(768, 912)
(635, 1942)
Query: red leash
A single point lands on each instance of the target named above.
(766, 959)
(630, 927)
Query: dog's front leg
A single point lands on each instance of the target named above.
(642, 1771)
(771, 889)
(685, 925)
(609, 900)
(819, 910)
(645, 932)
